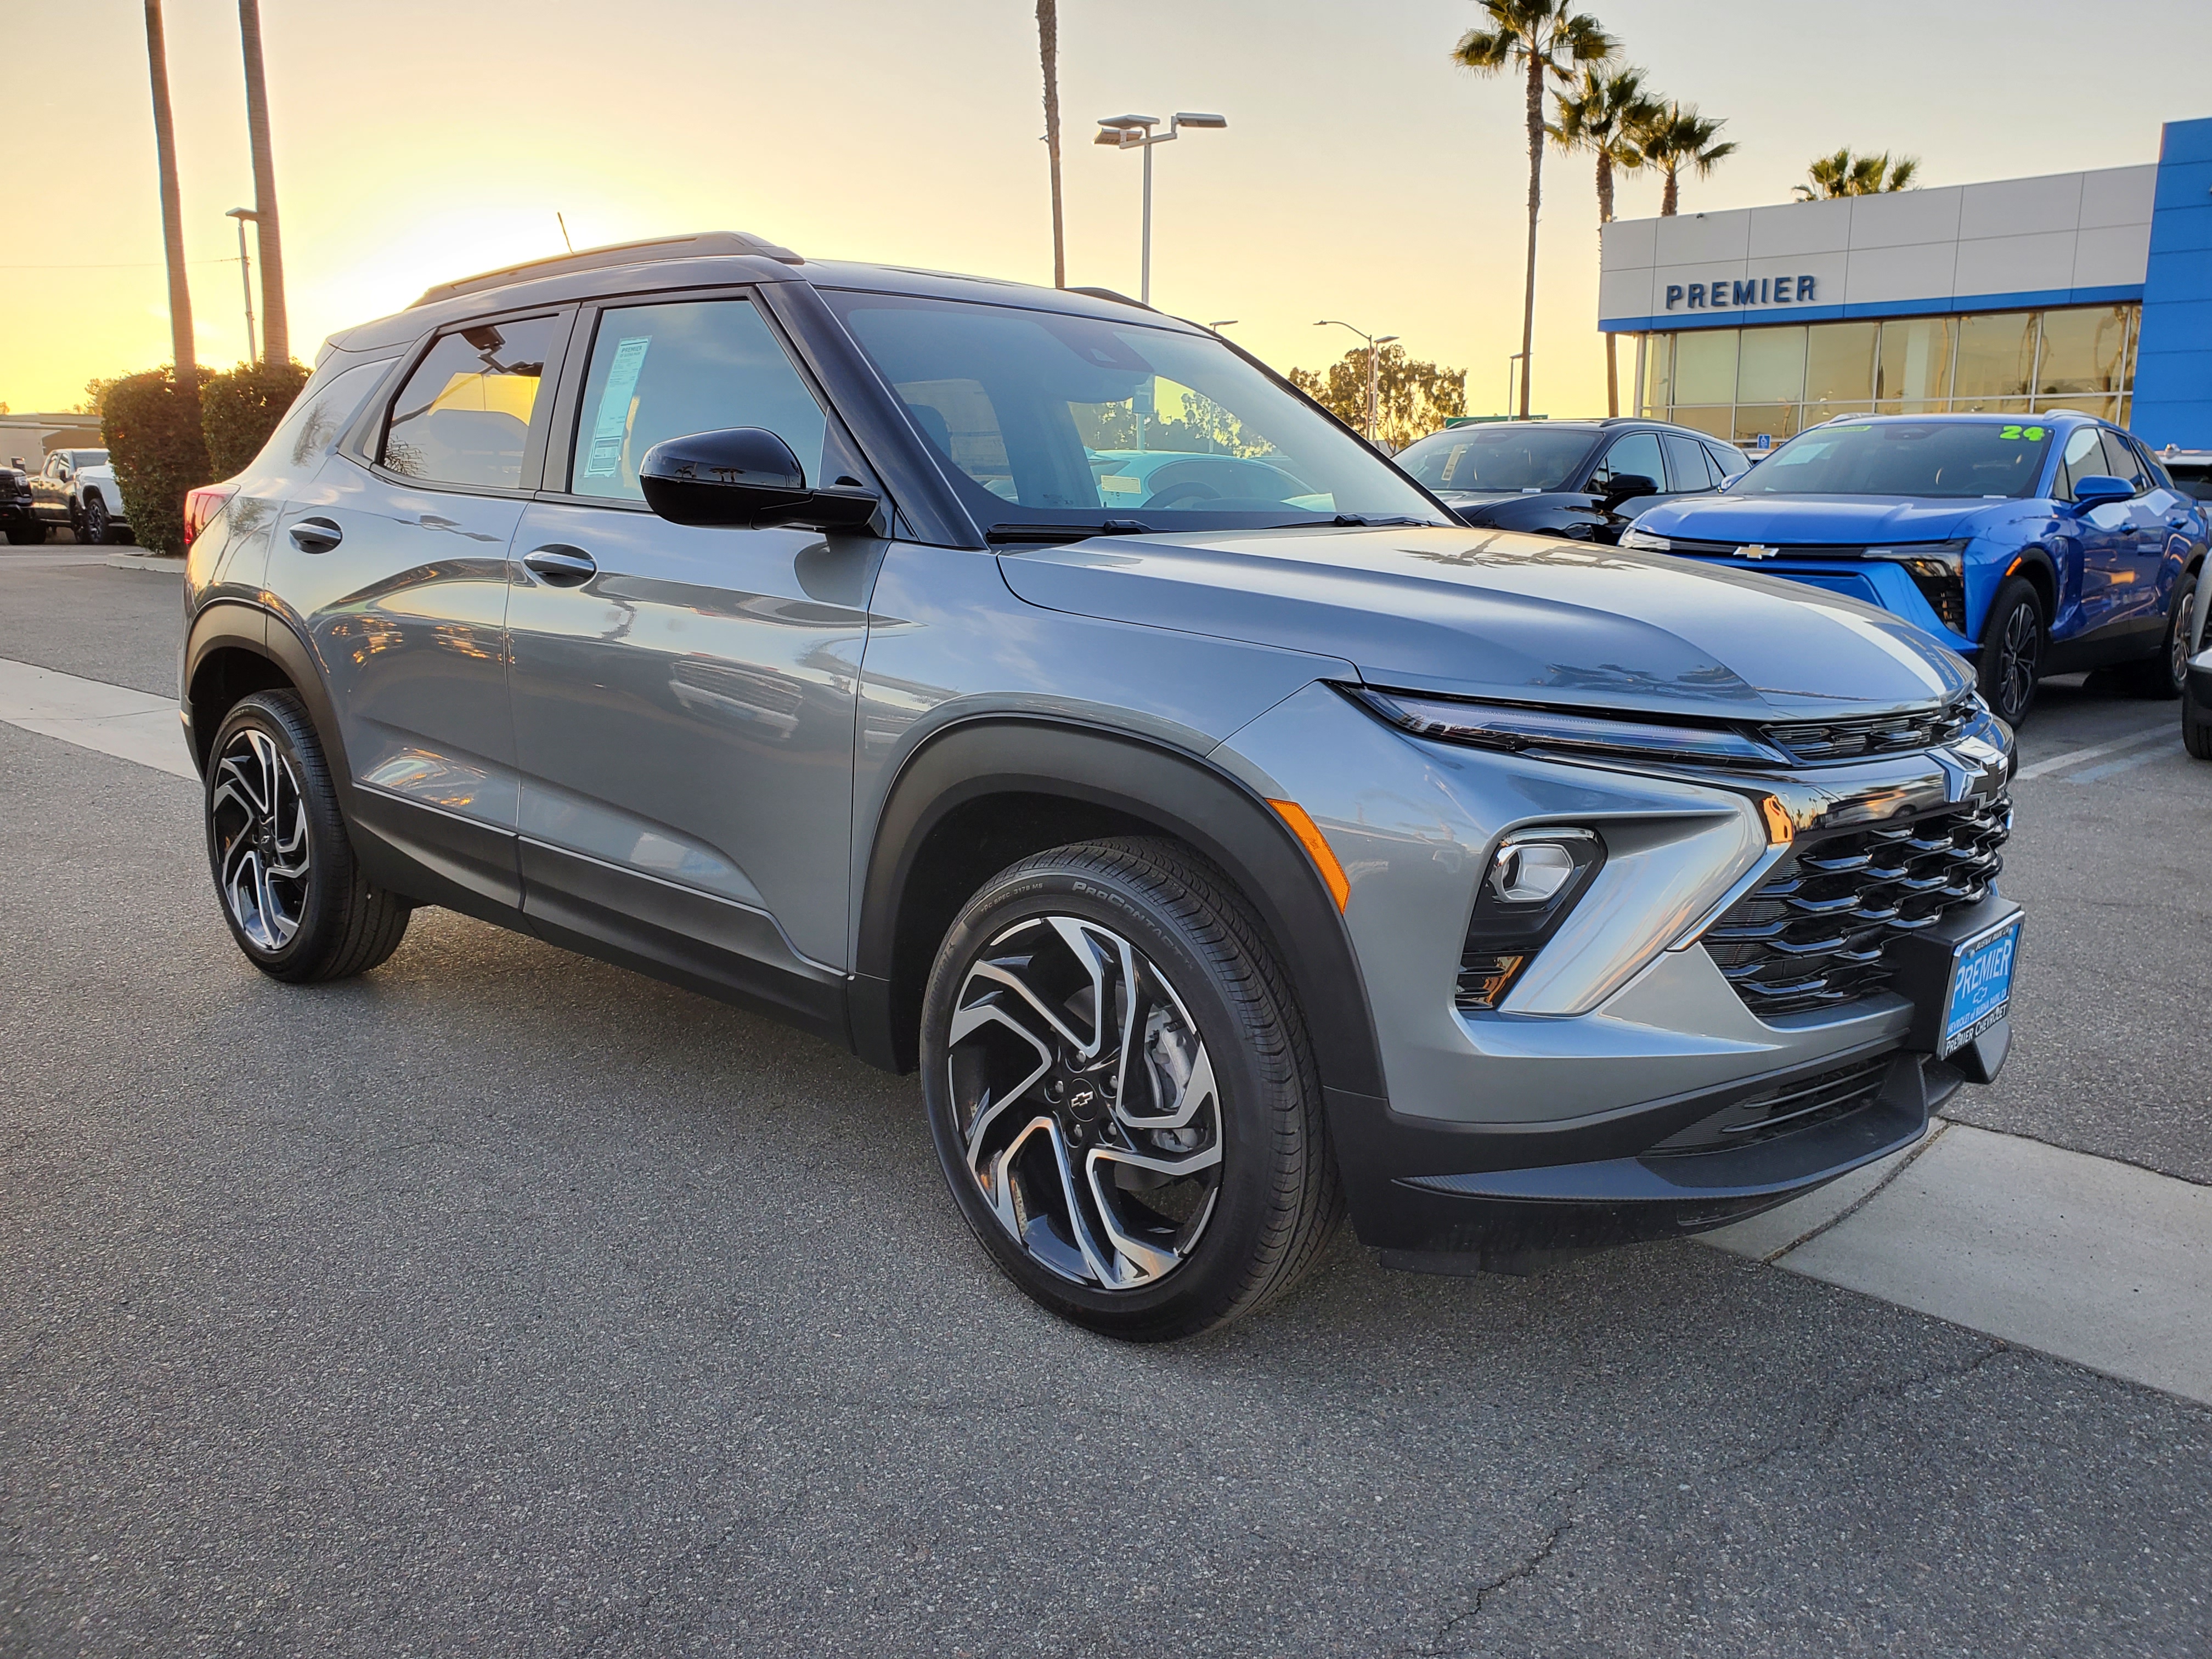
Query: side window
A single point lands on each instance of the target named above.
(1688, 466)
(2082, 457)
(1638, 453)
(464, 415)
(667, 371)
(2122, 462)
(1732, 461)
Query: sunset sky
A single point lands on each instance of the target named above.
(1363, 175)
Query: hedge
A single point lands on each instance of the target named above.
(239, 409)
(151, 425)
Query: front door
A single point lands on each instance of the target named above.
(392, 565)
(2106, 535)
(684, 696)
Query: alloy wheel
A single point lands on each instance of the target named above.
(1087, 1109)
(260, 821)
(2185, 609)
(2020, 653)
(95, 522)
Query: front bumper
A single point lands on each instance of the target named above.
(1659, 1104)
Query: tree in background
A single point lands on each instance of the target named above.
(1545, 41)
(1681, 138)
(1048, 55)
(1413, 398)
(1846, 174)
(95, 395)
(150, 423)
(239, 411)
(1601, 118)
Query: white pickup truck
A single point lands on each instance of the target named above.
(77, 488)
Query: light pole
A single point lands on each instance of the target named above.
(1375, 344)
(1216, 328)
(246, 278)
(1135, 132)
(1509, 362)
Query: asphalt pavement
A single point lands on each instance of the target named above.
(500, 1301)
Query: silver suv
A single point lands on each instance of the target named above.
(1033, 688)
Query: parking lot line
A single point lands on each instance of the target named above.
(113, 719)
(2110, 767)
(2076, 757)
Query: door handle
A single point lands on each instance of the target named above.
(561, 566)
(316, 535)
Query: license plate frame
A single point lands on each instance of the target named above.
(1981, 978)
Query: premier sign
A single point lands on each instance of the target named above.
(1727, 295)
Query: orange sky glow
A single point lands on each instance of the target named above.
(1363, 175)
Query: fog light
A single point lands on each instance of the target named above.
(1531, 871)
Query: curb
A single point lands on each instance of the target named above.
(161, 564)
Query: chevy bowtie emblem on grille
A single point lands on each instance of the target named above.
(1755, 551)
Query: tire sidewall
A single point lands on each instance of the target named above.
(2177, 626)
(2010, 597)
(264, 713)
(1217, 1271)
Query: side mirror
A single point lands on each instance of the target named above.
(745, 476)
(1627, 486)
(2098, 488)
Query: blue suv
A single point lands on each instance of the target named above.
(2032, 545)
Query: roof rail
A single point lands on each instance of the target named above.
(1108, 294)
(701, 244)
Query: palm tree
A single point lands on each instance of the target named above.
(172, 218)
(1602, 117)
(1680, 138)
(1846, 174)
(1545, 40)
(1049, 51)
(276, 335)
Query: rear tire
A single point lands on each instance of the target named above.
(2164, 675)
(1080, 1002)
(284, 869)
(2013, 642)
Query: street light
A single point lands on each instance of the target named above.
(246, 275)
(1135, 132)
(1375, 344)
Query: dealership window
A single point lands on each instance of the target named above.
(1746, 384)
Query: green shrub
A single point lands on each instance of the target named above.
(239, 409)
(151, 425)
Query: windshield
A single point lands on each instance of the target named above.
(1054, 420)
(87, 457)
(1516, 457)
(1966, 459)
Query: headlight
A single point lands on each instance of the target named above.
(1515, 726)
(1938, 569)
(1644, 541)
(1534, 877)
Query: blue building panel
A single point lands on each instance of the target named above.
(2173, 360)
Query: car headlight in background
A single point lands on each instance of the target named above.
(1938, 569)
(1534, 879)
(1513, 726)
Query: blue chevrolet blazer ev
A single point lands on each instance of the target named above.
(2030, 544)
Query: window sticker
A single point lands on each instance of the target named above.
(613, 422)
(1452, 461)
(2032, 433)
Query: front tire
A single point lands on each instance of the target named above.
(96, 531)
(2012, 650)
(1122, 1091)
(284, 869)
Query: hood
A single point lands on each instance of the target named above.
(1824, 518)
(1492, 613)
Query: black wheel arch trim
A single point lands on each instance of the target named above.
(1100, 766)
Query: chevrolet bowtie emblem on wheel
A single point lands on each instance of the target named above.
(1755, 551)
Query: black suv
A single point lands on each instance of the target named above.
(1586, 479)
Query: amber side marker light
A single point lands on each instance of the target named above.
(1309, 837)
(1780, 832)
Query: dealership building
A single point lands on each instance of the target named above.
(2087, 291)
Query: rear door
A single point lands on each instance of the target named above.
(393, 568)
(684, 695)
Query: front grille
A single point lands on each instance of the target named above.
(1785, 1108)
(1797, 550)
(1811, 934)
(1817, 741)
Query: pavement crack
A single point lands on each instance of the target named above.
(1842, 1413)
(1442, 1645)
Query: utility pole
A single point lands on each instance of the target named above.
(173, 225)
(245, 280)
(276, 336)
